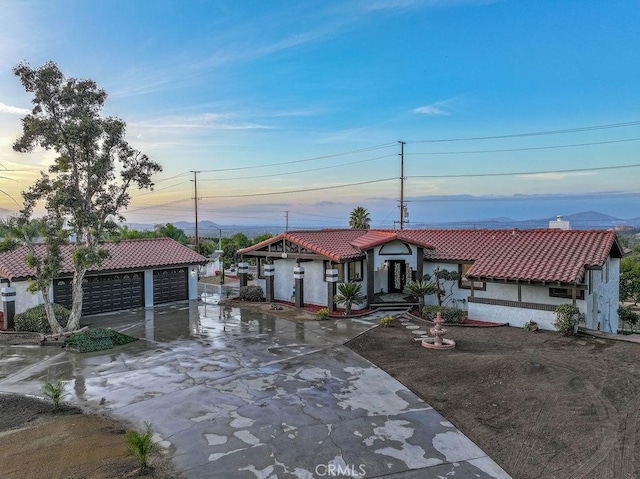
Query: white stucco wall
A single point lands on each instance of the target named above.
(315, 287)
(283, 282)
(514, 316)
(24, 299)
(459, 296)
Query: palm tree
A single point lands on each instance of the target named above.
(419, 289)
(359, 219)
(349, 294)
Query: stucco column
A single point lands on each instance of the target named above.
(370, 280)
(148, 288)
(298, 276)
(193, 282)
(243, 272)
(332, 279)
(8, 306)
(269, 273)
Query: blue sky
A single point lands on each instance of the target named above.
(323, 91)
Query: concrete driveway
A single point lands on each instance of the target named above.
(240, 394)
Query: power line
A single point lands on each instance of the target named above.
(161, 189)
(361, 150)
(302, 190)
(524, 173)
(524, 149)
(299, 171)
(535, 133)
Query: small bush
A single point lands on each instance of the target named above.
(530, 326)
(449, 314)
(251, 293)
(97, 339)
(141, 445)
(628, 316)
(567, 316)
(323, 313)
(35, 319)
(54, 391)
(387, 322)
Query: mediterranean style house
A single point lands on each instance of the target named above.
(510, 276)
(140, 272)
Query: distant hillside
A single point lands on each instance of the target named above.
(582, 220)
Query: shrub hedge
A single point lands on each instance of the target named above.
(449, 314)
(251, 293)
(35, 319)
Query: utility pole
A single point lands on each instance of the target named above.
(195, 191)
(402, 143)
(286, 215)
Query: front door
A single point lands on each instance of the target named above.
(397, 272)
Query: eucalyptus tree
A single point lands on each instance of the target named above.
(87, 185)
(359, 219)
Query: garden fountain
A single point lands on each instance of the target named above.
(437, 332)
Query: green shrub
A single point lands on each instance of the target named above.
(567, 316)
(628, 316)
(387, 322)
(449, 314)
(97, 339)
(251, 293)
(141, 445)
(54, 391)
(35, 319)
(323, 313)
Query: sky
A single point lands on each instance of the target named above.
(508, 108)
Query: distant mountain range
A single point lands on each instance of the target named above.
(580, 221)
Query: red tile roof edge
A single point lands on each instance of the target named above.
(13, 267)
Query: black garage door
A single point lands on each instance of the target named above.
(102, 294)
(170, 285)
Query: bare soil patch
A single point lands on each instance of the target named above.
(541, 405)
(284, 311)
(37, 442)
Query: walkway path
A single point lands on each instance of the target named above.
(240, 394)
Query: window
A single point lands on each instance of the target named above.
(356, 270)
(465, 283)
(338, 266)
(565, 293)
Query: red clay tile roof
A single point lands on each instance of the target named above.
(125, 255)
(527, 255)
(334, 244)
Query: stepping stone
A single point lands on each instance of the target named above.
(412, 326)
(419, 331)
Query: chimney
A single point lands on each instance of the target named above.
(559, 224)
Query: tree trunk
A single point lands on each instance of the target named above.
(51, 315)
(347, 308)
(76, 294)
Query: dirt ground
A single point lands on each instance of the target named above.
(541, 405)
(36, 442)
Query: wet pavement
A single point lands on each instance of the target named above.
(241, 394)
